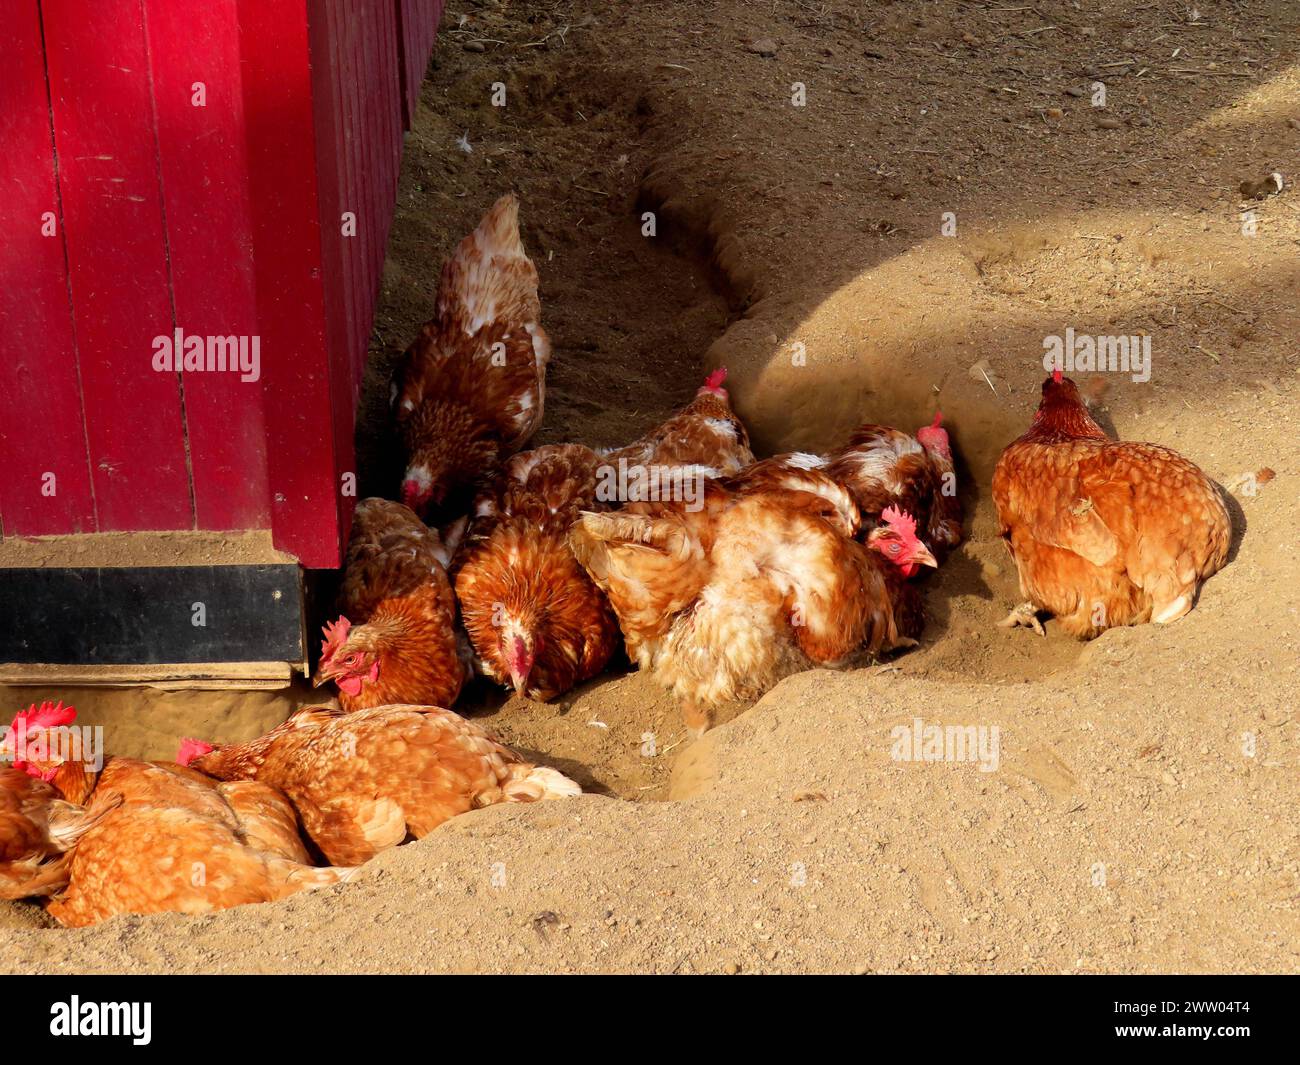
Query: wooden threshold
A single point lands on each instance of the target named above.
(209, 676)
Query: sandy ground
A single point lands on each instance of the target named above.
(1141, 813)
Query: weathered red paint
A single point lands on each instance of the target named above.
(194, 60)
(117, 261)
(222, 220)
(42, 430)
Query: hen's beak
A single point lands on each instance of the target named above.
(324, 674)
(923, 557)
(519, 679)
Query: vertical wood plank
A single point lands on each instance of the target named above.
(108, 176)
(205, 190)
(392, 83)
(418, 26)
(327, 40)
(43, 433)
(343, 83)
(302, 425)
(406, 58)
(359, 78)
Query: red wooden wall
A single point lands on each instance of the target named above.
(417, 23)
(128, 211)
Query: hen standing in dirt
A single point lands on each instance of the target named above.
(1103, 532)
(469, 391)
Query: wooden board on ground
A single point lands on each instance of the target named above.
(174, 676)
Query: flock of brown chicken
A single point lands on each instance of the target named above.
(718, 574)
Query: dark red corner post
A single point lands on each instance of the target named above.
(307, 392)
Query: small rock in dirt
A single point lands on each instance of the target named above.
(1108, 123)
(1054, 112)
(1294, 123)
(732, 969)
(1075, 91)
(474, 46)
(764, 46)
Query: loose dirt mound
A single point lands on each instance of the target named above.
(1141, 814)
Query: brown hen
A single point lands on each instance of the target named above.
(397, 638)
(38, 829)
(367, 781)
(1103, 532)
(764, 579)
(706, 433)
(883, 467)
(469, 391)
(533, 615)
(164, 838)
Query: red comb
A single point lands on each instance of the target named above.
(336, 634)
(1056, 376)
(47, 715)
(899, 520)
(715, 379)
(192, 749)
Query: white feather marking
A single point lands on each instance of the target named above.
(722, 428)
(525, 409)
(541, 346)
(876, 465)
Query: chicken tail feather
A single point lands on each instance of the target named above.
(47, 878)
(69, 822)
(498, 232)
(664, 534)
(540, 782)
(291, 877)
